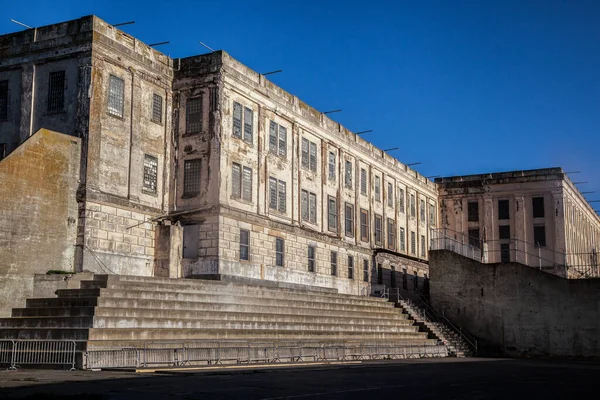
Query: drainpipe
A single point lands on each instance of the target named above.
(131, 70)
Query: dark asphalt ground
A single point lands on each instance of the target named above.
(410, 379)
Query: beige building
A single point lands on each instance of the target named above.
(536, 217)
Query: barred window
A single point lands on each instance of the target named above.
(56, 91)
(349, 213)
(244, 244)
(422, 245)
(402, 240)
(150, 173)
(363, 181)
(350, 267)
(277, 139)
(348, 174)
(413, 243)
(391, 226)
(333, 260)
(432, 214)
(364, 225)
(378, 229)
(277, 195)
(390, 195)
(116, 96)
(241, 182)
(193, 115)
(423, 211)
(309, 206)
(401, 200)
(3, 100)
(331, 166)
(279, 251)
(191, 177)
(377, 188)
(311, 259)
(332, 213)
(366, 270)
(413, 206)
(157, 107)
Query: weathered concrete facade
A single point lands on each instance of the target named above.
(537, 218)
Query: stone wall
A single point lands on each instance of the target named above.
(38, 213)
(519, 309)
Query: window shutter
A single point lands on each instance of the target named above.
(237, 120)
(273, 137)
(273, 193)
(304, 153)
(282, 197)
(247, 184)
(282, 141)
(248, 123)
(313, 156)
(236, 189)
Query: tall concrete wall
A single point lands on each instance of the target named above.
(38, 217)
(522, 310)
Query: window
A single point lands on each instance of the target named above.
(390, 195)
(503, 212)
(366, 270)
(404, 279)
(413, 206)
(538, 207)
(311, 258)
(348, 174)
(150, 173)
(413, 243)
(279, 250)
(364, 225)
(378, 228)
(401, 200)
(363, 181)
(377, 188)
(277, 195)
(350, 267)
(402, 240)
(423, 211)
(157, 102)
(332, 214)
(56, 91)
(416, 281)
(504, 252)
(334, 263)
(422, 245)
(116, 96)
(504, 232)
(241, 179)
(474, 238)
(191, 177)
(309, 207)
(539, 235)
(3, 100)
(193, 115)
(432, 214)
(309, 155)
(331, 166)
(247, 122)
(349, 214)
(277, 139)
(244, 245)
(391, 230)
(379, 274)
(473, 211)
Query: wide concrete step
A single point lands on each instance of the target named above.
(53, 312)
(237, 305)
(279, 325)
(46, 322)
(44, 333)
(118, 334)
(55, 302)
(252, 316)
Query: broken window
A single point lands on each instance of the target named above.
(244, 244)
(157, 106)
(331, 166)
(277, 195)
(503, 211)
(391, 227)
(363, 181)
(279, 251)
(349, 212)
(402, 240)
(364, 225)
(378, 229)
(56, 91)
(241, 178)
(473, 211)
(191, 177)
(390, 194)
(311, 258)
(193, 115)
(3, 100)
(277, 139)
(377, 188)
(539, 235)
(116, 96)
(333, 263)
(332, 212)
(350, 267)
(150, 173)
(538, 207)
(348, 174)
(401, 200)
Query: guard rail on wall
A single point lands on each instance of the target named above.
(189, 353)
(16, 353)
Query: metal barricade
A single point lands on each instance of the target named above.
(43, 352)
(113, 358)
(6, 352)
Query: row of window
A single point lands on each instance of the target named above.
(537, 205)
(539, 235)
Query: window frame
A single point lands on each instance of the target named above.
(390, 195)
(156, 113)
(245, 187)
(348, 174)
(366, 270)
(280, 196)
(377, 188)
(4, 99)
(55, 100)
(350, 266)
(538, 210)
(349, 219)
(310, 200)
(402, 238)
(364, 225)
(536, 232)
(472, 211)
(277, 139)
(241, 128)
(331, 162)
(279, 252)
(363, 181)
(391, 234)
(148, 173)
(413, 243)
(423, 246)
(378, 233)
(188, 184)
(473, 240)
(332, 214)
(503, 209)
(194, 118)
(333, 257)
(245, 245)
(116, 110)
(312, 259)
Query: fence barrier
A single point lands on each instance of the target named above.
(15, 353)
(177, 354)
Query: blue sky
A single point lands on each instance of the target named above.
(461, 86)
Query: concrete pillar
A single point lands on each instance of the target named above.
(175, 251)
(520, 230)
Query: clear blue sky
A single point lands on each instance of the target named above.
(462, 86)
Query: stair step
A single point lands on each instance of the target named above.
(53, 312)
(46, 322)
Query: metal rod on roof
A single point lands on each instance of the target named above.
(20, 23)
(593, 191)
(332, 111)
(393, 148)
(593, 201)
(124, 23)
(158, 44)
(207, 47)
(577, 183)
(573, 172)
(361, 132)
(273, 72)
(433, 176)
(415, 163)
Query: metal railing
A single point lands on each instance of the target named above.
(15, 353)
(190, 353)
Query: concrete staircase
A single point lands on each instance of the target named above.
(121, 311)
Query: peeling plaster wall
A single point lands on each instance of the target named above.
(38, 216)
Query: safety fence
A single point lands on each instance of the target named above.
(169, 354)
(15, 353)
